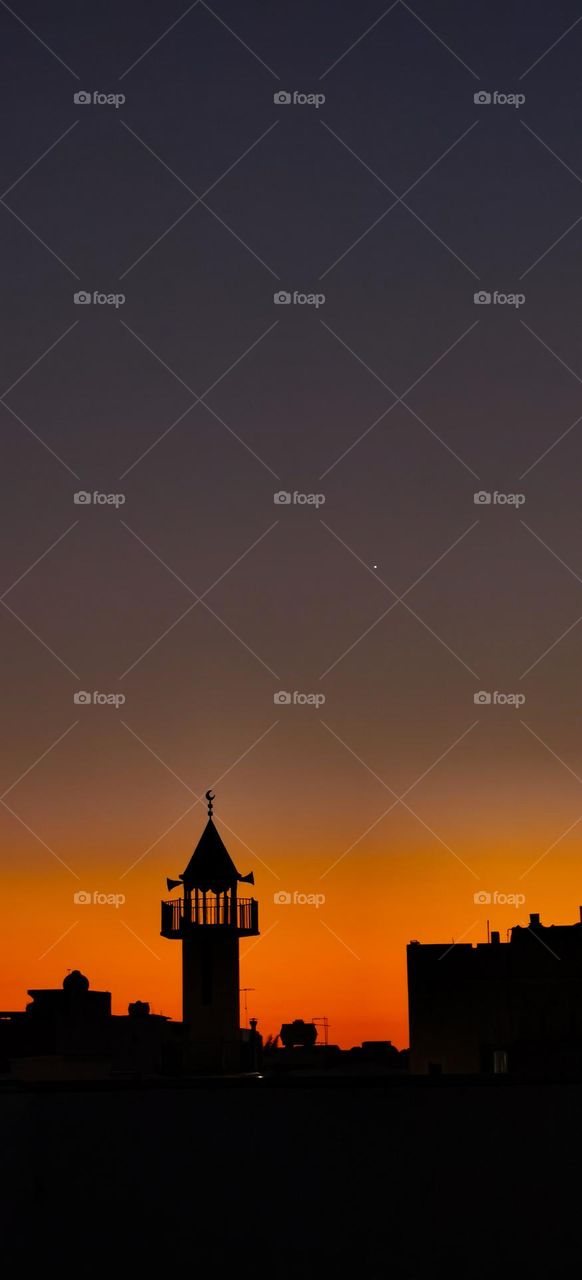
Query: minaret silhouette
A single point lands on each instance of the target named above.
(209, 920)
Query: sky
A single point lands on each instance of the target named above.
(327, 296)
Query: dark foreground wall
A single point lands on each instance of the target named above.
(382, 1179)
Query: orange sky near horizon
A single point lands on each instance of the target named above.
(413, 875)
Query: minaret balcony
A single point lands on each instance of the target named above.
(180, 916)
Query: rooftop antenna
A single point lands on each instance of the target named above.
(325, 1024)
(244, 990)
(209, 797)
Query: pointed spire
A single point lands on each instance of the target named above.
(211, 866)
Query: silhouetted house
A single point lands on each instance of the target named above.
(499, 1006)
(70, 1032)
(209, 920)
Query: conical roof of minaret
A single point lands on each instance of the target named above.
(211, 866)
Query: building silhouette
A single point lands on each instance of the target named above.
(498, 1007)
(209, 920)
(69, 1032)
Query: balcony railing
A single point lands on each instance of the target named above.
(221, 911)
